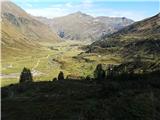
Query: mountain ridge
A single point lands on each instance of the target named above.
(137, 42)
(85, 26)
(145, 29)
(20, 31)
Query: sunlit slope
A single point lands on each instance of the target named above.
(80, 26)
(137, 42)
(21, 32)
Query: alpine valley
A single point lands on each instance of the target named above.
(79, 67)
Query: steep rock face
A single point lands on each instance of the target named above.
(80, 26)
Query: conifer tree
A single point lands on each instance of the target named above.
(26, 76)
(99, 73)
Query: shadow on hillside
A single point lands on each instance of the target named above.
(116, 98)
(119, 82)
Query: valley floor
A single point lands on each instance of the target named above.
(64, 56)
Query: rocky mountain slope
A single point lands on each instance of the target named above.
(80, 26)
(138, 34)
(21, 31)
(138, 44)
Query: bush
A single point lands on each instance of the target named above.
(61, 76)
(54, 79)
(88, 78)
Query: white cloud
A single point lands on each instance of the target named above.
(87, 3)
(68, 5)
(4, 0)
(134, 15)
(86, 6)
(55, 10)
(48, 12)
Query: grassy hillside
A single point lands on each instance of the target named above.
(23, 40)
(21, 33)
(79, 99)
(139, 40)
(147, 29)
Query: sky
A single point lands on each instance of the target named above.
(133, 9)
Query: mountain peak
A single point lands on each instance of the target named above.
(10, 7)
(80, 13)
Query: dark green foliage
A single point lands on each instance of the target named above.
(26, 76)
(81, 100)
(99, 73)
(117, 99)
(110, 71)
(139, 107)
(54, 79)
(94, 110)
(88, 78)
(61, 76)
(126, 96)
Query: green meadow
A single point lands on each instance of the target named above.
(53, 58)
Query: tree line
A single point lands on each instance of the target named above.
(112, 72)
(26, 75)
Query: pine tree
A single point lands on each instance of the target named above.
(99, 73)
(26, 76)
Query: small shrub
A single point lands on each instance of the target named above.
(88, 78)
(61, 76)
(54, 79)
